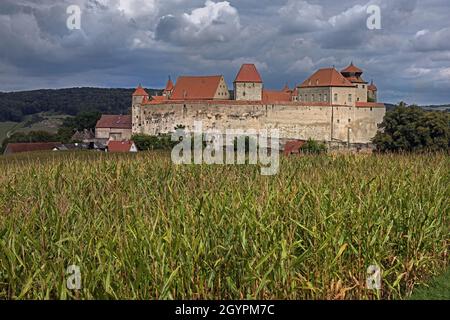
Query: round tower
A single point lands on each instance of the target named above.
(139, 97)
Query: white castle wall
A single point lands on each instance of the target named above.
(295, 121)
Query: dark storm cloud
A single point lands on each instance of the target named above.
(125, 42)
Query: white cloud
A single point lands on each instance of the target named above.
(303, 65)
(301, 16)
(214, 22)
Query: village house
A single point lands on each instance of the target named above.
(114, 127)
(121, 146)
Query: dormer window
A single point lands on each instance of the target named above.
(317, 82)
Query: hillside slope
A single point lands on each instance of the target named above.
(14, 106)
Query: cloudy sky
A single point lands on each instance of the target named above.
(122, 43)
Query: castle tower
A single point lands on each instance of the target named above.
(139, 97)
(169, 88)
(248, 84)
(372, 91)
(353, 74)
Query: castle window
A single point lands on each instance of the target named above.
(349, 98)
(371, 109)
(335, 97)
(317, 82)
(325, 97)
(364, 86)
(349, 120)
(312, 97)
(337, 120)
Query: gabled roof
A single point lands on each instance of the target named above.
(352, 69)
(83, 135)
(114, 121)
(28, 147)
(196, 88)
(248, 73)
(120, 146)
(169, 85)
(272, 96)
(328, 77)
(140, 91)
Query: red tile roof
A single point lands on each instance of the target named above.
(248, 73)
(272, 96)
(28, 147)
(140, 91)
(372, 87)
(328, 77)
(120, 146)
(114, 121)
(293, 146)
(196, 88)
(356, 80)
(352, 69)
(156, 99)
(169, 85)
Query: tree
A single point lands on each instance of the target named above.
(83, 120)
(313, 147)
(413, 129)
(146, 142)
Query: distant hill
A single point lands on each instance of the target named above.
(443, 107)
(15, 106)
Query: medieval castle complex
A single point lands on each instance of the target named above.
(329, 106)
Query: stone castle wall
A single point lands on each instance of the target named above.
(294, 120)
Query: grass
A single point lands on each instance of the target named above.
(5, 127)
(141, 228)
(437, 289)
(50, 123)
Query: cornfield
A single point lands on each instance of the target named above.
(140, 227)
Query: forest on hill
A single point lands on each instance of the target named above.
(14, 106)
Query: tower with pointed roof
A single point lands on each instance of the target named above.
(248, 84)
(372, 91)
(354, 74)
(169, 88)
(139, 97)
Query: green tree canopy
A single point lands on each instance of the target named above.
(413, 129)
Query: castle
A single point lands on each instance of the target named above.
(330, 106)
